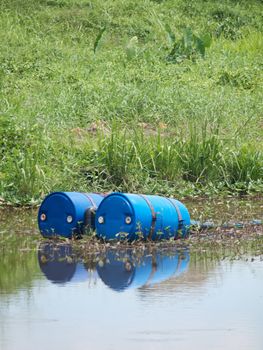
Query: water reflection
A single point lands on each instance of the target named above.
(118, 269)
(204, 302)
(123, 271)
(58, 264)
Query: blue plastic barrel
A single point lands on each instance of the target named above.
(68, 213)
(133, 216)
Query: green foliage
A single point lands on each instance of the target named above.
(190, 46)
(57, 81)
(132, 48)
(129, 160)
(10, 137)
(161, 157)
(200, 156)
(22, 154)
(98, 39)
(115, 156)
(238, 79)
(229, 24)
(243, 167)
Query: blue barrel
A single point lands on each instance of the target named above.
(68, 213)
(133, 216)
(120, 274)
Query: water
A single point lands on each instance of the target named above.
(125, 299)
(176, 298)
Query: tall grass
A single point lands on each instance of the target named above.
(200, 155)
(242, 168)
(126, 158)
(69, 64)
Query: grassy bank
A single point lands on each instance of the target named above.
(150, 96)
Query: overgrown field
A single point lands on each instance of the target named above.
(150, 96)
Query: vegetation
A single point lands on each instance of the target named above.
(150, 96)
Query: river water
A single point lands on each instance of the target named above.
(164, 299)
(172, 298)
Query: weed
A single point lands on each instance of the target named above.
(243, 167)
(242, 80)
(190, 46)
(200, 155)
(132, 48)
(229, 24)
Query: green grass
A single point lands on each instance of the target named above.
(90, 101)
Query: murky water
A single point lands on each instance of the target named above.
(163, 299)
(173, 298)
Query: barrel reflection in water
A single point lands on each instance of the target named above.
(122, 271)
(58, 264)
(118, 269)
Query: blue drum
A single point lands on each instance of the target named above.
(68, 213)
(133, 216)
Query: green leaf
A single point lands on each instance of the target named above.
(207, 39)
(188, 38)
(171, 36)
(98, 38)
(200, 46)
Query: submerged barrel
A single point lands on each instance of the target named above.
(68, 213)
(133, 216)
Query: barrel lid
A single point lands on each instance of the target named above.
(115, 217)
(57, 215)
